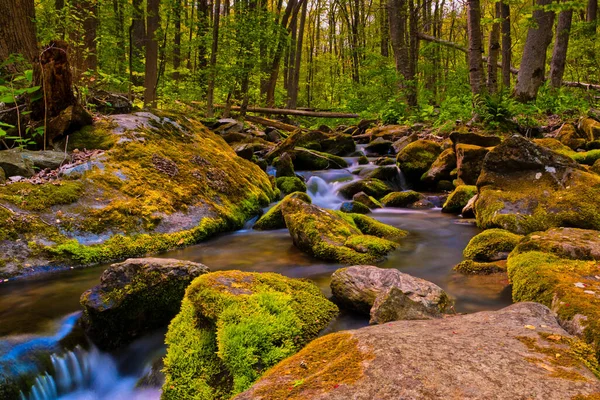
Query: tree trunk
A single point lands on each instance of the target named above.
(385, 29)
(533, 63)
(137, 39)
(591, 14)
(151, 75)
(295, 80)
(506, 44)
(177, 40)
(475, 46)
(17, 29)
(87, 11)
(494, 49)
(213, 60)
(559, 53)
(399, 12)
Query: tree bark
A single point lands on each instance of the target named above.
(295, 80)
(137, 39)
(151, 75)
(384, 26)
(506, 44)
(561, 44)
(177, 40)
(213, 59)
(493, 50)
(591, 14)
(17, 29)
(475, 46)
(401, 17)
(532, 71)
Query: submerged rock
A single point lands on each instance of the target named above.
(524, 187)
(506, 354)
(387, 294)
(235, 325)
(135, 297)
(337, 237)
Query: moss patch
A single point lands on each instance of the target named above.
(458, 199)
(288, 184)
(416, 158)
(569, 287)
(491, 245)
(401, 199)
(32, 197)
(371, 187)
(322, 366)
(235, 325)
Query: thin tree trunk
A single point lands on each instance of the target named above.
(494, 49)
(591, 14)
(475, 46)
(533, 63)
(151, 76)
(384, 26)
(295, 81)
(137, 40)
(399, 12)
(17, 29)
(177, 41)
(213, 60)
(506, 44)
(559, 53)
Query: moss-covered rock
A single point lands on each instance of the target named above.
(416, 158)
(135, 297)
(569, 136)
(491, 245)
(458, 199)
(363, 160)
(312, 160)
(474, 139)
(469, 161)
(164, 181)
(284, 166)
(233, 326)
(354, 207)
(273, 219)
(470, 267)
(569, 287)
(442, 168)
(332, 236)
(587, 157)
(525, 188)
(401, 199)
(573, 243)
(367, 200)
(590, 127)
(289, 184)
(371, 186)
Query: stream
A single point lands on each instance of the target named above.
(38, 308)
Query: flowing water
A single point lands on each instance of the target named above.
(35, 308)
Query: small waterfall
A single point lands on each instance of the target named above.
(81, 374)
(323, 193)
(402, 179)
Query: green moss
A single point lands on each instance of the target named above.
(458, 199)
(370, 226)
(561, 284)
(321, 366)
(312, 160)
(587, 157)
(288, 184)
(416, 158)
(273, 219)
(332, 236)
(525, 207)
(233, 326)
(401, 199)
(488, 245)
(371, 186)
(470, 267)
(32, 197)
(98, 136)
(354, 207)
(363, 160)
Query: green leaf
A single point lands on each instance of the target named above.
(4, 124)
(9, 98)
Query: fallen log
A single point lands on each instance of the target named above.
(283, 111)
(272, 123)
(513, 70)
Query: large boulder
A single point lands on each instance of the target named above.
(273, 219)
(338, 237)
(524, 187)
(135, 297)
(416, 158)
(235, 325)
(387, 294)
(573, 243)
(519, 352)
(469, 161)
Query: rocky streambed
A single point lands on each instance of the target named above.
(245, 318)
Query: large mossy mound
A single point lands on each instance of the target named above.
(273, 219)
(415, 159)
(337, 236)
(233, 326)
(164, 181)
(524, 188)
(570, 287)
(491, 245)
